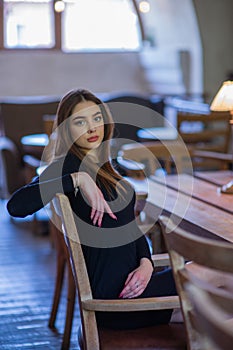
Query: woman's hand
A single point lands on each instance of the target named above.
(137, 280)
(93, 195)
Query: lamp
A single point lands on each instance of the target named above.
(223, 101)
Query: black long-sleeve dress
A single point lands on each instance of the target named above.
(111, 251)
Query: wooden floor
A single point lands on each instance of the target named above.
(27, 273)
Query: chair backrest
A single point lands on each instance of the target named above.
(211, 268)
(209, 132)
(12, 172)
(24, 116)
(212, 318)
(170, 156)
(130, 114)
(65, 219)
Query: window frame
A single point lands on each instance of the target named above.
(57, 31)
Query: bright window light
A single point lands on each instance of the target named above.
(100, 25)
(28, 23)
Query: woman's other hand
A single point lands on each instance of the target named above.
(137, 280)
(94, 196)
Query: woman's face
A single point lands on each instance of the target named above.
(87, 125)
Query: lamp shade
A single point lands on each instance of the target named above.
(223, 101)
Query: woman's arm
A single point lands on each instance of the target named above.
(34, 196)
(137, 280)
(94, 197)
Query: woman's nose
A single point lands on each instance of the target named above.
(91, 127)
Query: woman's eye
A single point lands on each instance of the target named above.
(98, 118)
(80, 122)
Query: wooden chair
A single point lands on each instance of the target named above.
(170, 156)
(62, 265)
(213, 317)
(131, 113)
(141, 160)
(24, 116)
(222, 160)
(207, 132)
(11, 164)
(159, 337)
(211, 269)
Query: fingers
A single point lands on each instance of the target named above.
(129, 277)
(109, 211)
(132, 290)
(99, 206)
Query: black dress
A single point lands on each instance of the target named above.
(111, 251)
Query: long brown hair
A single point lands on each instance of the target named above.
(107, 176)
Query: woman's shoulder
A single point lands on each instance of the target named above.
(61, 166)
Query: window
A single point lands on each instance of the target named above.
(100, 25)
(83, 25)
(28, 24)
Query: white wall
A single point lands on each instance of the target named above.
(216, 27)
(54, 72)
(174, 26)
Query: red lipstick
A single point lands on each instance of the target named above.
(93, 139)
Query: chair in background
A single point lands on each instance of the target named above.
(206, 132)
(213, 317)
(222, 160)
(210, 267)
(13, 173)
(24, 116)
(151, 155)
(165, 336)
(141, 160)
(19, 117)
(131, 113)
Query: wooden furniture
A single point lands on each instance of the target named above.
(15, 171)
(158, 133)
(217, 178)
(196, 205)
(213, 318)
(34, 144)
(172, 156)
(222, 160)
(93, 338)
(62, 264)
(209, 267)
(10, 164)
(21, 116)
(208, 132)
(24, 116)
(130, 114)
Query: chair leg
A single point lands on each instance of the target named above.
(61, 262)
(71, 293)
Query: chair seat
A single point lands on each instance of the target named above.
(162, 337)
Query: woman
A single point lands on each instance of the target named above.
(116, 253)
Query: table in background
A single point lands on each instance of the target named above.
(218, 178)
(157, 134)
(198, 206)
(34, 144)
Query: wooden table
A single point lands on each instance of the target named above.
(218, 178)
(193, 203)
(34, 144)
(157, 134)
